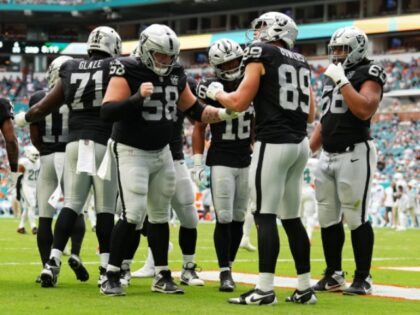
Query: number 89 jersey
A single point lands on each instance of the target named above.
(282, 102)
(231, 139)
(340, 128)
(150, 126)
(84, 85)
(53, 128)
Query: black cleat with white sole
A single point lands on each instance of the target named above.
(331, 282)
(112, 285)
(255, 297)
(303, 297)
(76, 264)
(361, 286)
(164, 283)
(226, 281)
(49, 274)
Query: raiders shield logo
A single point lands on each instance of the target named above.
(174, 79)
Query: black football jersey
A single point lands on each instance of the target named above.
(282, 101)
(150, 126)
(177, 143)
(53, 128)
(6, 110)
(85, 83)
(340, 128)
(230, 139)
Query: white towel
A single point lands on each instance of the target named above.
(104, 171)
(86, 159)
(59, 158)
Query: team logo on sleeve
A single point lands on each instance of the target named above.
(174, 79)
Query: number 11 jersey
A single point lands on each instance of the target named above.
(282, 101)
(84, 83)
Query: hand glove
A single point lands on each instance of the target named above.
(226, 114)
(20, 120)
(146, 89)
(213, 89)
(198, 171)
(336, 73)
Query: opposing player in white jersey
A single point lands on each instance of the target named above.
(308, 206)
(50, 137)
(352, 92)
(277, 81)
(29, 167)
(229, 156)
(376, 203)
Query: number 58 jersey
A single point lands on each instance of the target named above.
(84, 83)
(340, 128)
(282, 101)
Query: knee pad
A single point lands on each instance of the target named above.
(353, 218)
(239, 215)
(224, 216)
(137, 182)
(189, 217)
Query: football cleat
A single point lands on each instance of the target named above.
(21, 230)
(38, 279)
(360, 286)
(112, 285)
(164, 283)
(34, 230)
(246, 244)
(303, 297)
(255, 297)
(331, 282)
(226, 281)
(125, 275)
(189, 276)
(76, 264)
(145, 272)
(49, 274)
(102, 276)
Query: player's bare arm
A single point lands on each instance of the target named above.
(189, 104)
(312, 107)
(50, 102)
(11, 143)
(241, 99)
(36, 137)
(315, 142)
(198, 137)
(363, 104)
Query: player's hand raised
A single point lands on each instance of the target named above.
(146, 89)
(336, 73)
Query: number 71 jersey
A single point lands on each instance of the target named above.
(282, 101)
(84, 85)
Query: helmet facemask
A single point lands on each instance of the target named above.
(230, 70)
(338, 53)
(225, 56)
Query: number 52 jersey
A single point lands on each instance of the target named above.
(84, 84)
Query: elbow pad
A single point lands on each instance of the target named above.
(195, 111)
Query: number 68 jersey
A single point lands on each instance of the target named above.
(340, 128)
(282, 101)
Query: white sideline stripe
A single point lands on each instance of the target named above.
(415, 269)
(64, 259)
(387, 291)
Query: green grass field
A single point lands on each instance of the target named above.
(19, 294)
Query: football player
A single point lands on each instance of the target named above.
(81, 86)
(308, 206)
(8, 131)
(351, 94)
(49, 136)
(29, 167)
(277, 81)
(183, 204)
(142, 99)
(229, 156)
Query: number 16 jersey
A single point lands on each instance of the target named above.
(84, 84)
(282, 101)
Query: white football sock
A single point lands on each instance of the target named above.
(265, 281)
(304, 281)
